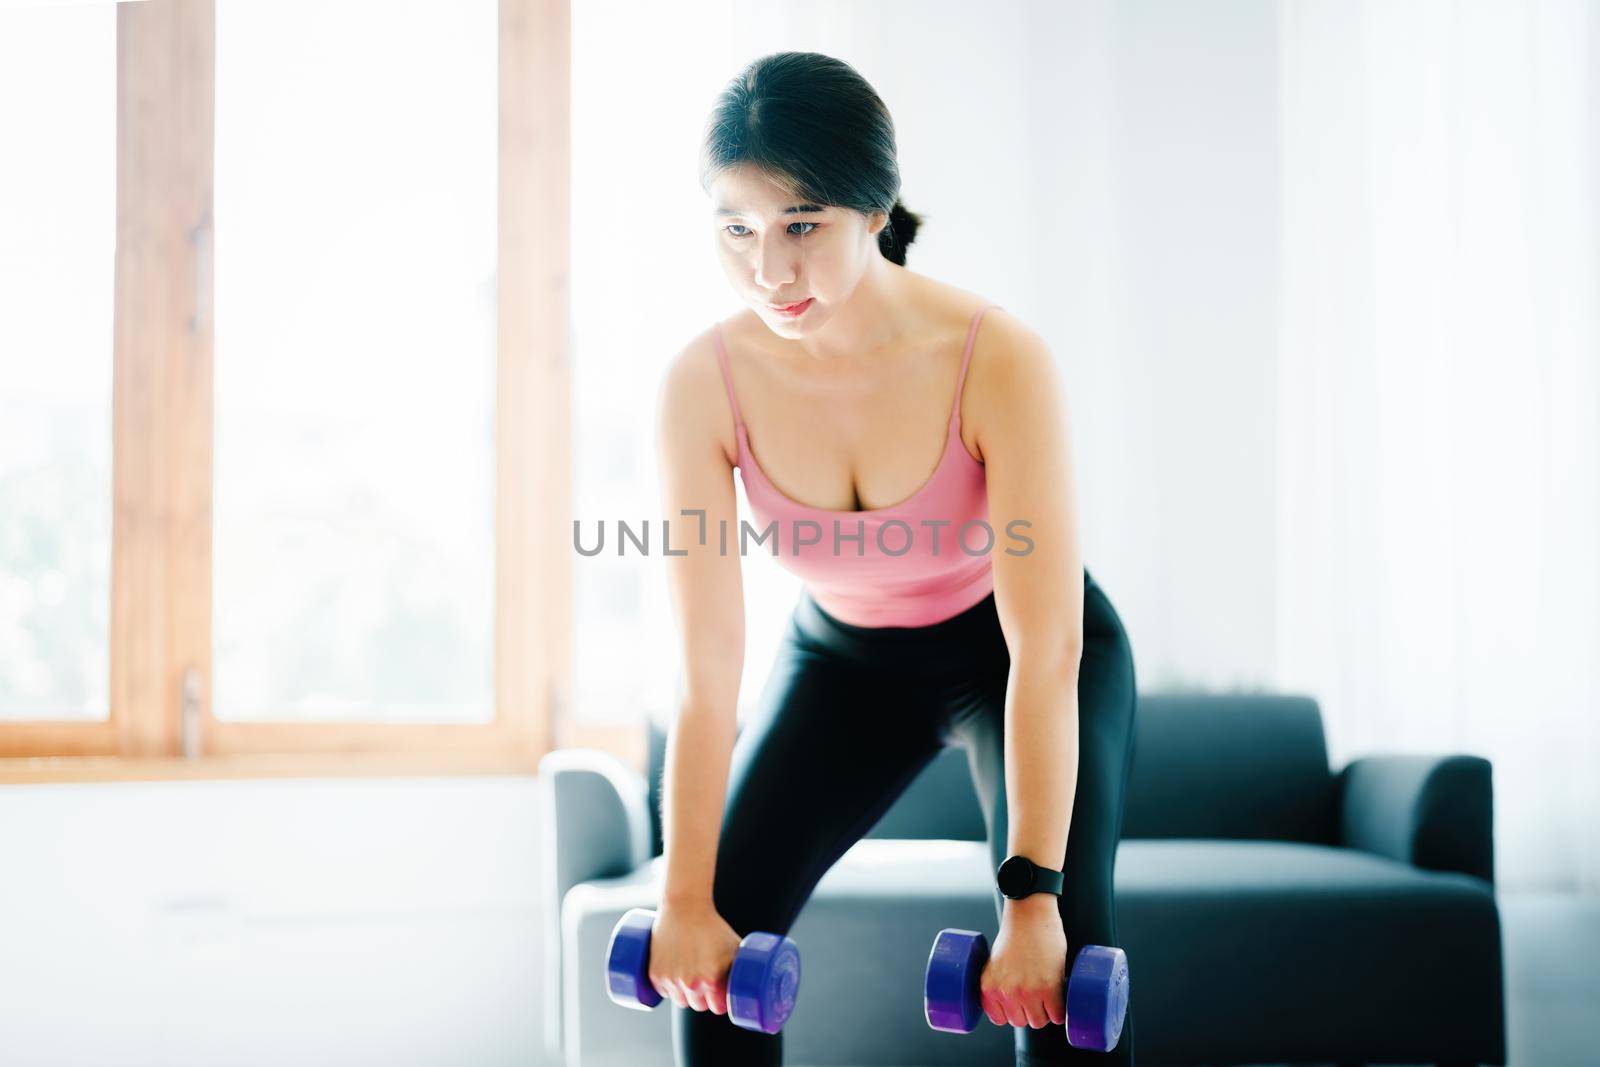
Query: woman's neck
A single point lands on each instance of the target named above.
(880, 313)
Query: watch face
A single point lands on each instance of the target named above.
(1015, 876)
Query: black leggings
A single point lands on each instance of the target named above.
(848, 718)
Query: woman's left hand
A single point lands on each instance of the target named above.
(1024, 982)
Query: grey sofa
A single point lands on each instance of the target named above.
(1273, 911)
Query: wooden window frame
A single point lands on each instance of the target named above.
(161, 723)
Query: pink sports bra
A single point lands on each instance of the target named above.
(914, 563)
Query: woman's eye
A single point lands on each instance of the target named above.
(731, 227)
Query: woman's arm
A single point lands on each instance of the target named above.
(704, 586)
(1021, 429)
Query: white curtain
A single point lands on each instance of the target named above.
(1439, 399)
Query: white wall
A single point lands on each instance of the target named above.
(364, 922)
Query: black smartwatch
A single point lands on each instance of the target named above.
(1019, 876)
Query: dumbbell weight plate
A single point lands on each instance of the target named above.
(628, 962)
(1097, 998)
(951, 996)
(764, 982)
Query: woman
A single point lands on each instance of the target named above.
(852, 378)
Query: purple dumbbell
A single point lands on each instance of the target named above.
(1097, 991)
(762, 986)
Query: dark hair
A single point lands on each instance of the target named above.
(817, 128)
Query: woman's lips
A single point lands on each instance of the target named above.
(792, 309)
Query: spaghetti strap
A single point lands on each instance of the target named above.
(966, 358)
(727, 379)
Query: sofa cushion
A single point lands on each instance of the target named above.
(1249, 768)
(1257, 939)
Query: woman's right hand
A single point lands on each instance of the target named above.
(691, 953)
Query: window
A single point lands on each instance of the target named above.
(57, 225)
(284, 399)
(355, 362)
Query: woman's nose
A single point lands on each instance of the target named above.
(775, 266)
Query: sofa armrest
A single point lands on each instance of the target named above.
(1434, 812)
(594, 820)
(595, 815)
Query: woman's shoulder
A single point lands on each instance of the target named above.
(1009, 341)
(693, 393)
(1002, 338)
(953, 309)
(1011, 366)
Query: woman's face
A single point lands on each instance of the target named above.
(776, 250)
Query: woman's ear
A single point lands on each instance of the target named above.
(876, 221)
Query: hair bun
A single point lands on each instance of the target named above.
(899, 232)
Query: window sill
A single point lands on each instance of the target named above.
(42, 769)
